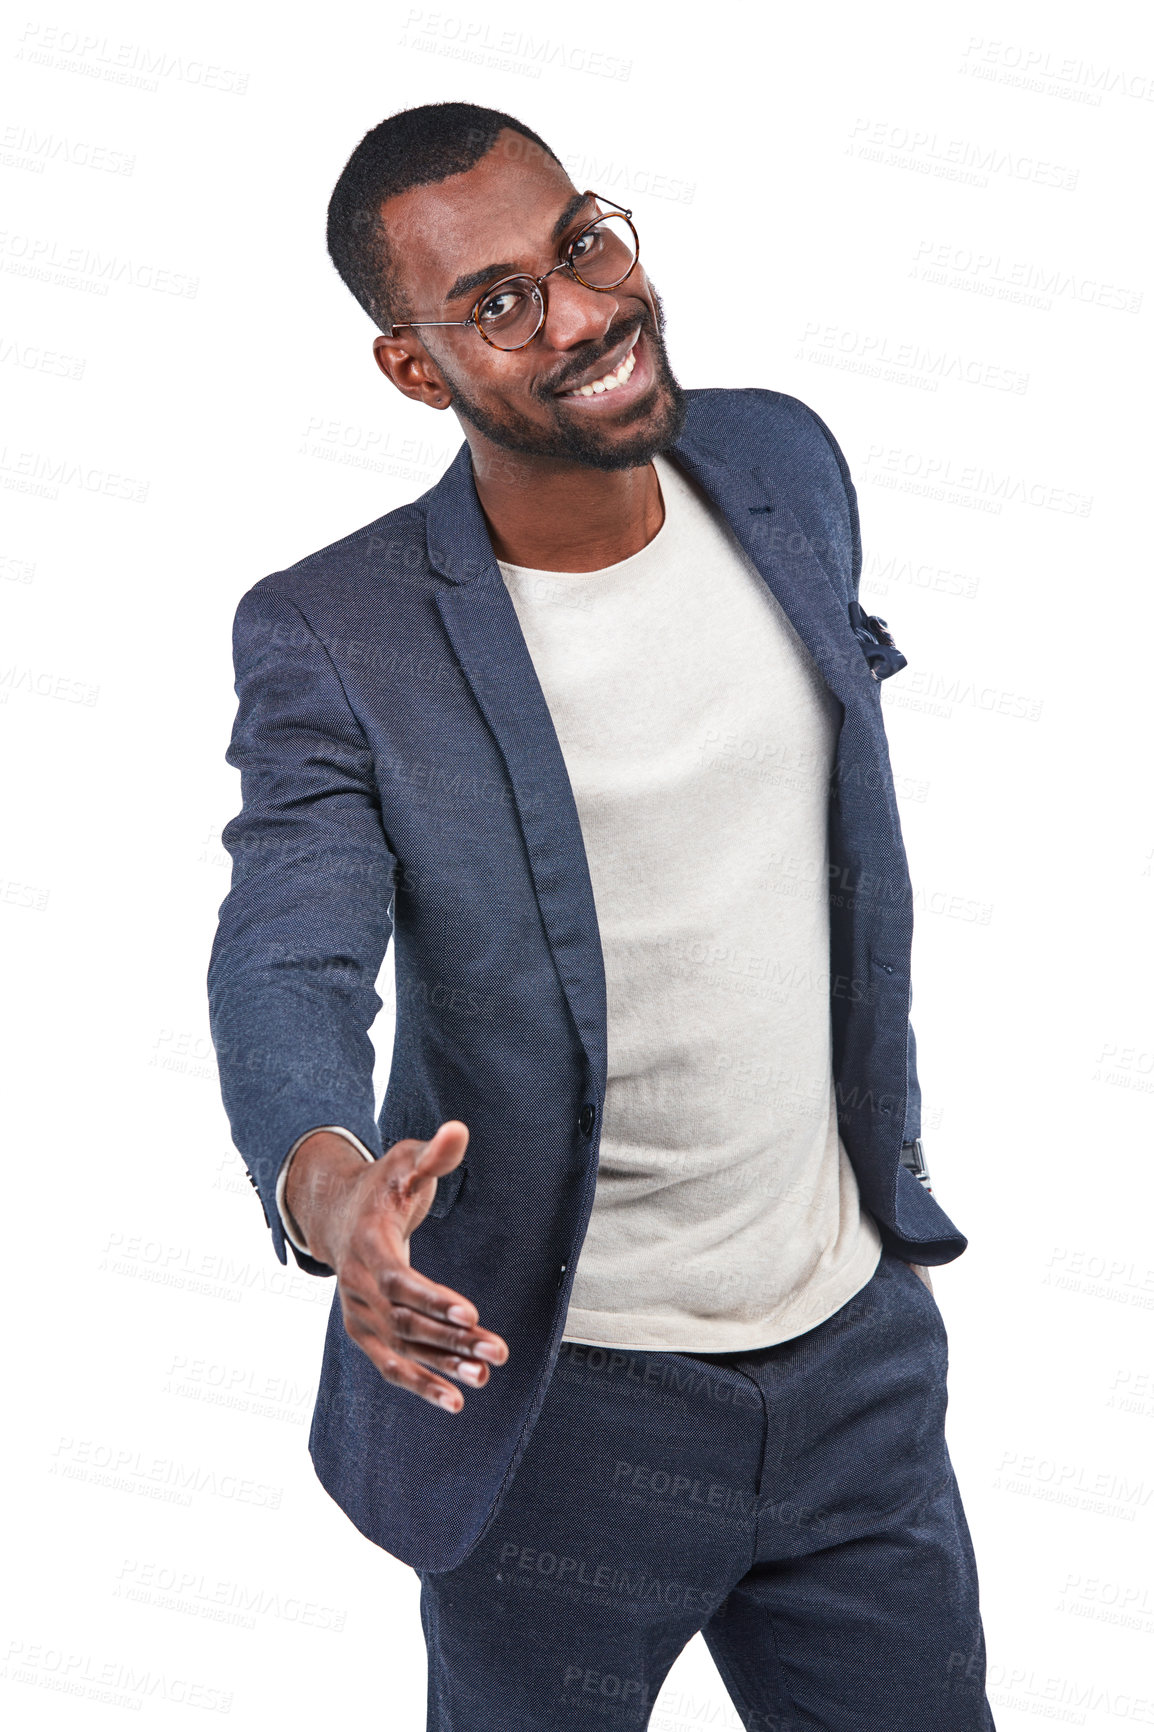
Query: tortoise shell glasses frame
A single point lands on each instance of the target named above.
(568, 261)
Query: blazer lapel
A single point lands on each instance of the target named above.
(785, 556)
(486, 635)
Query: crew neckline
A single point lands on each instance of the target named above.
(660, 464)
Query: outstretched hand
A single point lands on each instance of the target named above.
(358, 1217)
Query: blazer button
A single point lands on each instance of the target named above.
(587, 1120)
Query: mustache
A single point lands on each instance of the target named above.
(640, 320)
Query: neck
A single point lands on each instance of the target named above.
(556, 516)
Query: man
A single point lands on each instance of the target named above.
(593, 731)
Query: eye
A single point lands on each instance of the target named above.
(588, 242)
(502, 305)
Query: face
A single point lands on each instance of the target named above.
(515, 211)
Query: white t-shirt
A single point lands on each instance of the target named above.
(699, 740)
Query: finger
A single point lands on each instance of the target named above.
(380, 1298)
(403, 1285)
(415, 1329)
(398, 1369)
(470, 1371)
(419, 1327)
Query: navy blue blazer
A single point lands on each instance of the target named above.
(401, 777)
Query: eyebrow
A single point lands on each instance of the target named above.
(471, 281)
(567, 215)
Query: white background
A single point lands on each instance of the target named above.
(930, 224)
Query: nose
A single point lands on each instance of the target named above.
(575, 314)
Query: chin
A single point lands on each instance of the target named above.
(647, 427)
(658, 426)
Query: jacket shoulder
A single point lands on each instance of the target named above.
(784, 423)
(392, 546)
(780, 437)
(395, 541)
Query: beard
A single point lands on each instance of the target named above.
(660, 415)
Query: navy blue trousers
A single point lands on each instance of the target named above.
(796, 1504)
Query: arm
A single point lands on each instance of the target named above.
(300, 940)
(303, 931)
(911, 1131)
(913, 1121)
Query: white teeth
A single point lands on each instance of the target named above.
(610, 382)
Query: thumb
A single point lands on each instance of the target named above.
(439, 1155)
(444, 1150)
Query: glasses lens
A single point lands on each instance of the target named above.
(604, 253)
(511, 313)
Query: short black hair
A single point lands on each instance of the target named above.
(416, 147)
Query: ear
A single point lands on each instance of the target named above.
(406, 362)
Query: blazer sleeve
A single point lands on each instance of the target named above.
(912, 1128)
(851, 504)
(305, 926)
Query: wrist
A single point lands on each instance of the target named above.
(320, 1176)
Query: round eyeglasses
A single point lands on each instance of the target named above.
(510, 312)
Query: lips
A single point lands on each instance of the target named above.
(607, 381)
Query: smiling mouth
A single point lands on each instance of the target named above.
(608, 381)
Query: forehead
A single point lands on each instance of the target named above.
(502, 210)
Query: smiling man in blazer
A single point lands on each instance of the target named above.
(632, 1335)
